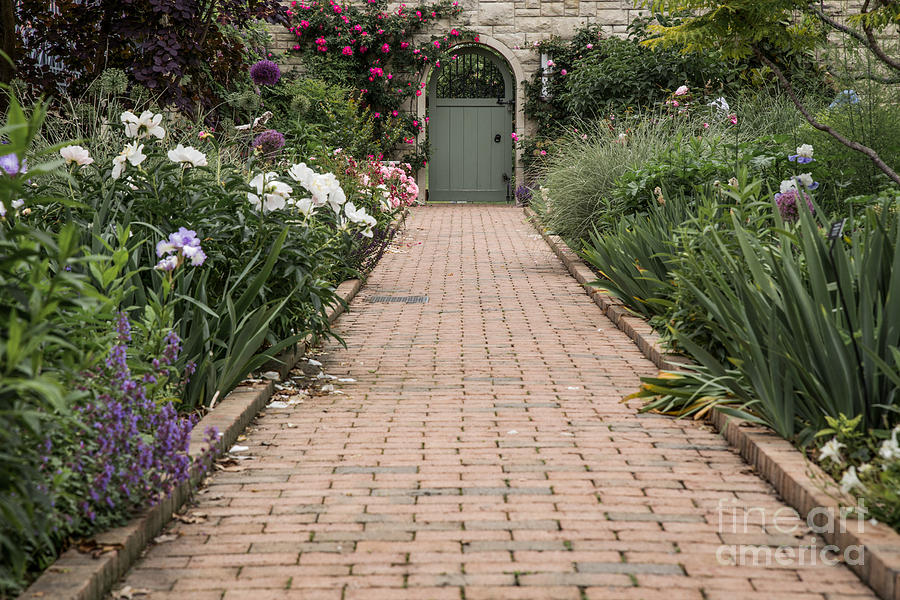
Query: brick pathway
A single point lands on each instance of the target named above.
(483, 454)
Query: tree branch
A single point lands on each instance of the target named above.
(873, 156)
(878, 51)
(867, 38)
(837, 24)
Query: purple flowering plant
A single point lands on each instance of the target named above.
(265, 72)
(269, 142)
(131, 448)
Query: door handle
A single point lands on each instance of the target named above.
(498, 138)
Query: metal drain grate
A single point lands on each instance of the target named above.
(403, 299)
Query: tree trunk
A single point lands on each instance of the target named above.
(7, 39)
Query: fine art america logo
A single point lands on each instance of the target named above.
(739, 527)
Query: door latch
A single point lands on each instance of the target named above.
(498, 138)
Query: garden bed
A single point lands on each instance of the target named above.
(795, 478)
(89, 571)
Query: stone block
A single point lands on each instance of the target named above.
(496, 13)
(552, 9)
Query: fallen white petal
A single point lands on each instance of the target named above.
(237, 448)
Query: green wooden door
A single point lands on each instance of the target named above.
(470, 131)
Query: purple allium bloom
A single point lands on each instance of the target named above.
(269, 142)
(265, 72)
(787, 205)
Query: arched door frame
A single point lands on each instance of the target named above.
(513, 67)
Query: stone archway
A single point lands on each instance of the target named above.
(518, 80)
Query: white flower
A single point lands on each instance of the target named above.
(271, 194)
(720, 104)
(305, 205)
(322, 187)
(194, 253)
(336, 199)
(169, 263)
(850, 481)
(890, 449)
(788, 185)
(2, 209)
(360, 217)
(805, 150)
(302, 174)
(77, 155)
(188, 156)
(832, 451)
(355, 215)
(17, 204)
(133, 153)
(806, 179)
(681, 91)
(145, 125)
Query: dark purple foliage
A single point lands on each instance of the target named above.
(184, 50)
(265, 72)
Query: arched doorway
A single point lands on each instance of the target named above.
(471, 109)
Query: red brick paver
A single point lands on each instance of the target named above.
(483, 453)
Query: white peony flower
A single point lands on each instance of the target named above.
(302, 174)
(133, 153)
(145, 125)
(271, 194)
(306, 206)
(850, 481)
(336, 199)
(77, 155)
(832, 451)
(188, 156)
(322, 187)
(360, 217)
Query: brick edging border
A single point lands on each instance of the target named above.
(78, 576)
(793, 476)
